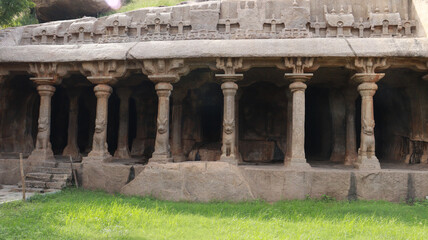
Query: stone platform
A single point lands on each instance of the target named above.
(210, 181)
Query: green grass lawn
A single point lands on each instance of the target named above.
(80, 214)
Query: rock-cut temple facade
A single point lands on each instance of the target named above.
(223, 100)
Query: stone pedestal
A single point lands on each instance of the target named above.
(296, 157)
(162, 153)
(122, 150)
(43, 149)
(72, 148)
(367, 159)
(177, 111)
(351, 95)
(99, 143)
(229, 87)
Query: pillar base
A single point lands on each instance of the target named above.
(349, 160)
(97, 156)
(73, 152)
(122, 153)
(229, 159)
(42, 155)
(365, 163)
(337, 157)
(296, 163)
(160, 158)
(179, 158)
(138, 146)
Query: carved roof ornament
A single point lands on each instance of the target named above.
(299, 65)
(369, 65)
(386, 23)
(103, 72)
(165, 70)
(339, 24)
(47, 73)
(82, 31)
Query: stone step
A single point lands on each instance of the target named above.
(54, 170)
(39, 176)
(61, 177)
(35, 184)
(56, 185)
(56, 164)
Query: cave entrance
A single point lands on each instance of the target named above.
(318, 125)
(262, 122)
(202, 122)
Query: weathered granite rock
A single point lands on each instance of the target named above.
(202, 181)
(53, 10)
(109, 177)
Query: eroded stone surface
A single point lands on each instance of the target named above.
(203, 181)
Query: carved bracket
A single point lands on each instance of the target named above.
(165, 70)
(229, 65)
(368, 65)
(299, 64)
(47, 73)
(103, 72)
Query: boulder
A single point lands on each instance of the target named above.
(69, 9)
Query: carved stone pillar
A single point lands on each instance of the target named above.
(43, 149)
(229, 87)
(72, 148)
(367, 88)
(138, 144)
(122, 150)
(162, 151)
(99, 142)
(351, 138)
(177, 111)
(289, 125)
(237, 98)
(296, 157)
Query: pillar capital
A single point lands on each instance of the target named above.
(229, 77)
(164, 70)
(298, 77)
(103, 72)
(47, 73)
(46, 90)
(103, 90)
(229, 65)
(299, 65)
(368, 65)
(367, 77)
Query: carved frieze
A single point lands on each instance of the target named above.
(227, 19)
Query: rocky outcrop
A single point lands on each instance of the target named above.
(53, 10)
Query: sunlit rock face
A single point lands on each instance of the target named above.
(69, 9)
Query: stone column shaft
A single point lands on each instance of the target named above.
(366, 153)
(72, 148)
(122, 150)
(296, 157)
(351, 137)
(338, 118)
(162, 151)
(99, 143)
(43, 149)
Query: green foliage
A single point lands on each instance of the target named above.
(16, 13)
(137, 4)
(82, 214)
